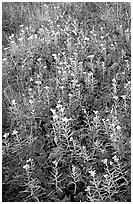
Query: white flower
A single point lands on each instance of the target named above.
(92, 31)
(10, 37)
(38, 82)
(55, 117)
(115, 97)
(62, 109)
(31, 101)
(115, 158)
(13, 42)
(31, 79)
(20, 39)
(96, 112)
(30, 89)
(92, 172)
(6, 135)
(13, 102)
(4, 59)
(30, 38)
(88, 188)
(101, 37)
(35, 36)
(26, 167)
(114, 80)
(104, 48)
(55, 56)
(86, 38)
(39, 59)
(55, 163)
(73, 168)
(65, 120)
(53, 111)
(118, 127)
(104, 161)
(71, 138)
(29, 160)
(106, 176)
(111, 163)
(123, 96)
(15, 132)
(84, 110)
(90, 56)
(59, 106)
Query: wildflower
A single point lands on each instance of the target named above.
(31, 79)
(38, 82)
(30, 38)
(101, 44)
(91, 32)
(33, 111)
(30, 89)
(90, 56)
(115, 158)
(124, 97)
(111, 163)
(115, 97)
(84, 110)
(86, 38)
(15, 132)
(12, 42)
(55, 56)
(10, 37)
(114, 80)
(26, 167)
(55, 163)
(55, 117)
(106, 176)
(73, 168)
(20, 39)
(70, 95)
(39, 59)
(71, 138)
(13, 102)
(62, 109)
(118, 127)
(59, 106)
(31, 101)
(101, 37)
(88, 188)
(92, 172)
(35, 36)
(104, 161)
(53, 111)
(5, 135)
(65, 120)
(96, 112)
(29, 160)
(4, 59)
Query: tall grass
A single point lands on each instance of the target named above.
(66, 102)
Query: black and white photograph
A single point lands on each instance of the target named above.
(66, 101)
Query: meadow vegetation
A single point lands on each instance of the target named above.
(66, 102)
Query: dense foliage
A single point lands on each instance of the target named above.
(66, 102)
